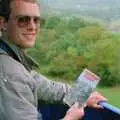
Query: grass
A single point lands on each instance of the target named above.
(112, 94)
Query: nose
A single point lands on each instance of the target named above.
(31, 25)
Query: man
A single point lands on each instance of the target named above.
(20, 86)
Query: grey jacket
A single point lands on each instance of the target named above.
(21, 89)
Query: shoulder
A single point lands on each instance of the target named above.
(2, 52)
(8, 65)
(14, 72)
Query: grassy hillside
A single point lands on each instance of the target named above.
(113, 95)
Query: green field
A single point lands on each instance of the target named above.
(112, 94)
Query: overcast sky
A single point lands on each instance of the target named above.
(66, 4)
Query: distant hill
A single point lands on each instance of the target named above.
(103, 9)
(67, 4)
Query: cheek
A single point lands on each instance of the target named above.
(13, 33)
(17, 33)
(11, 29)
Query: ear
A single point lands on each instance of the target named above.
(3, 23)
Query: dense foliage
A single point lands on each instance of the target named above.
(65, 46)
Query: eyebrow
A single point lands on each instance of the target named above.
(27, 15)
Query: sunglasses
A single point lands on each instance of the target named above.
(24, 21)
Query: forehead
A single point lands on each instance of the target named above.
(25, 8)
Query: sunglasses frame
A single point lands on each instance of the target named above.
(24, 20)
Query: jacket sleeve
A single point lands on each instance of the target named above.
(16, 97)
(49, 90)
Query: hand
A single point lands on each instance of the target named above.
(74, 113)
(94, 99)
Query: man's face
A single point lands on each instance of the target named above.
(23, 24)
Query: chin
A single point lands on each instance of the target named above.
(28, 43)
(30, 46)
(25, 46)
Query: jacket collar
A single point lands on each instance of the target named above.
(25, 59)
(14, 48)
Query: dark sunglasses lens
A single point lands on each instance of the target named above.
(23, 21)
(37, 20)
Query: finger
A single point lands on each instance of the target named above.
(81, 111)
(76, 105)
(98, 106)
(98, 95)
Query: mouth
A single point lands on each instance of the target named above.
(29, 36)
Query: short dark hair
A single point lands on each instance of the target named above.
(5, 8)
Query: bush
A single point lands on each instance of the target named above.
(66, 46)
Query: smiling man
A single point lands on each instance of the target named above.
(20, 86)
(23, 23)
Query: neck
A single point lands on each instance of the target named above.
(4, 36)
